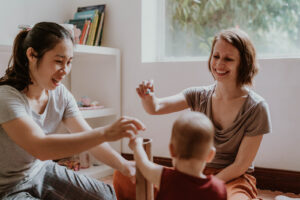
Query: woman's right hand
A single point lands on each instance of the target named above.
(146, 93)
(145, 89)
(123, 127)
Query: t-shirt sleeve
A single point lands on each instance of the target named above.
(12, 104)
(194, 96)
(259, 121)
(71, 109)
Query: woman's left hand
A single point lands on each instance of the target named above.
(129, 170)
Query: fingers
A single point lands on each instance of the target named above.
(128, 127)
(137, 123)
(129, 134)
(145, 88)
(150, 86)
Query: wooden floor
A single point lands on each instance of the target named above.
(270, 195)
(263, 194)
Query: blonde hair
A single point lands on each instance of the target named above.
(192, 136)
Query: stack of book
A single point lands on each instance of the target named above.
(89, 20)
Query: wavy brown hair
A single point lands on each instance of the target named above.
(248, 67)
(43, 37)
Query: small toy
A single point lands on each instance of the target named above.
(86, 104)
(148, 91)
(70, 163)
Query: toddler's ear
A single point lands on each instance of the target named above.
(211, 154)
(172, 150)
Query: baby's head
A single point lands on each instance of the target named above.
(192, 137)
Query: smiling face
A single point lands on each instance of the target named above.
(53, 66)
(224, 62)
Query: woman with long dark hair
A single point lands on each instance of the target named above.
(33, 102)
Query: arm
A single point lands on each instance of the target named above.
(157, 106)
(151, 171)
(103, 152)
(28, 135)
(246, 154)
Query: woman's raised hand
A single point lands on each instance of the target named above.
(123, 127)
(146, 93)
(145, 89)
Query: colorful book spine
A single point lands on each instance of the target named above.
(83, 32)
(87, 32)
(92, 34)
(99, 31)
(85, 14)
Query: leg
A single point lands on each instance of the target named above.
(242, 188)
(125, 189)
(57, 182)
(20, 195)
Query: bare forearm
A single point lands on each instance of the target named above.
(151, 171)
(106, 154)
(231, 172)
(54, 146)
(141, 159)
(151, 105)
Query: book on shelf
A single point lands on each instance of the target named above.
(90, 20)
(80, 24)
(83, 32)
(92, 33)
(85, 14)
(100, 8)
(99, 31)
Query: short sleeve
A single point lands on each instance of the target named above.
(193, 96)
(197, 97)
(259, 121)
(71, 109)
(12, 104)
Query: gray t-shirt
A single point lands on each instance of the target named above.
(16, 164)
(253, 119)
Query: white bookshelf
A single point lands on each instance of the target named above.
(85, 49)
(95, 113)
(96, 73)
(6, 49)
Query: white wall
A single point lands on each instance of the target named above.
(13, 13)
(277, 80)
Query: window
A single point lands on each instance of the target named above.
(188, 26)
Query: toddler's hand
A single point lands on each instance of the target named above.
(133, 143)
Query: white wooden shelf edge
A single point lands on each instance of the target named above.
(96, 50)
(103, 112)
(97, 172)
(78, 49)
(5, 48)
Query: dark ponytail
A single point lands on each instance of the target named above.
(43, 37)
